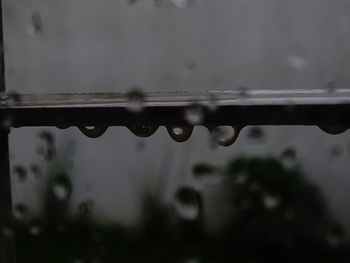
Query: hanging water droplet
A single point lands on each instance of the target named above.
(270, 202)
(180, 134)
(187, 203)
(223, 135)
(20, 212)
(20, 172)
(136, 98)
(194, 114)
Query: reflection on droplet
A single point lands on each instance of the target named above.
(187, 203)
(136, 99)
(20, 212)
(20, 172)
(194, 114)
(270, 202)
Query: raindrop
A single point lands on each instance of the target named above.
(36, 26)
(20, 212)
(36, 171)
(223, 135)
(136, 98)
(141, 147)
(296, 61)
(243, 91)
(187, 203)
(289, 214)
(143, 130)
(194, 114)
(270, 201)
(62, 188)
(85, 207)
(288, 157)
(213, 103)
(334, 241)
(35, 229)
(20, 172)
(207, 174)
(331, 87)
(180, 134)
(256, 135)
(7, 232)
(336, 151)
(182, 3)
(240, 178)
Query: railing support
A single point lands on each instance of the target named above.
(7, 246)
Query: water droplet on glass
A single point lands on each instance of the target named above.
(331, 87)
(256, 134)
(20, 172)
(136, 98)
(182, 3)
(336, 151)
(289, 214)
(35, 27)
(35, 229)
(187, 203)
(296, 61)
(207, 174)
(240, 178)
(334, 241)
(85, 207)
(36, 171)
(7, 232)
(20, 212)
(270, 201)
(62, 188)
(194, 114)
(141, 147)
(288, 157)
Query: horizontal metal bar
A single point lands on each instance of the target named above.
(313, 107)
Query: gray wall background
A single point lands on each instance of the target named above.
(109, 45)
